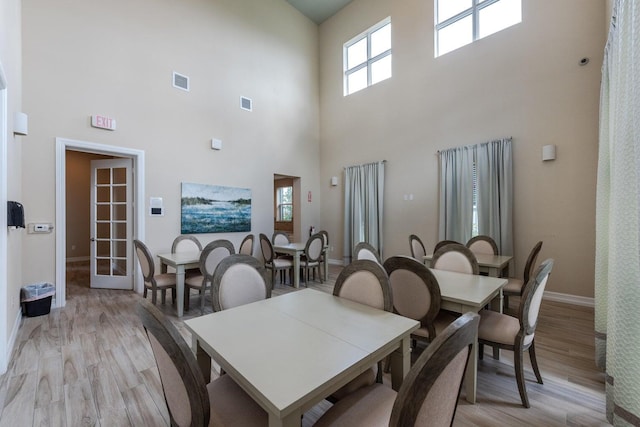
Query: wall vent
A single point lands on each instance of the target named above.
(246, 103)
(180, 81)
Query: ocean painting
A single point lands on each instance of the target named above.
(215, 209)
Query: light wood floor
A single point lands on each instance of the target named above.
(90, 364)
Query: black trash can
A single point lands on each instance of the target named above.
(36, 299)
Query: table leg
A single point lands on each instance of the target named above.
(292, 420)
(204, 362)
(471, 375)
(180, 289)
(496, 305)
(296, 269)
(326, 264)
(400, 363)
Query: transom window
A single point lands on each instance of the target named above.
(367, 58)
(460, 22)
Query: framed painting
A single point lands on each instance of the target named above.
(215, 209)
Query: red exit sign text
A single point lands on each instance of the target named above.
(103, 122)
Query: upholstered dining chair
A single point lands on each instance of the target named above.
(364, 250)
(441, 243)
(517, 334)
(483, 245)
(312, 256)
(429, 393)
(154, 282)
(325, 247)
(246, 246)
(270, 261)
(210, 257)
(238, 280)
(366, 282)
(190, 401)
(280, 238)
(417, 248)
(455, 257)
(187, 243)
(514, 285)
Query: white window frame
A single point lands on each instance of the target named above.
(474, 11)
(370, 61)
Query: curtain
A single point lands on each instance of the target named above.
(363, 205)
(617, 269)
(495, 193)
(456, 194)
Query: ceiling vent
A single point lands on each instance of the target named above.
(246, 103)
(180, 81)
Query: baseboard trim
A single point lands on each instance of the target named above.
(569, 299)
(12, 342)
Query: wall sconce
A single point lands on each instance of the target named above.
(20, 123)
(548, 152)
(334, 181)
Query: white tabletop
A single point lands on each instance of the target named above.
(468, 289)
(180, 258)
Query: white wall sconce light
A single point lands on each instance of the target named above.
(334, 181)
(20, 123)
(548, 152)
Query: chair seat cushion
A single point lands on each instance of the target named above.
(513, 286)
(365, 379)
(442, 320)
(497, 327)
(282, 263)
(370, 406)
(164, 280)
(231, 406)
(194, 282)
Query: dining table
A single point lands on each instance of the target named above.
(493, 265)
(462, 293)
(296, 250)
(292, 351)
(181, 261)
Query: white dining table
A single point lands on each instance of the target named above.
(493, 265)
(181, 261)
(296, 250)
(461, 293)
(292, 351)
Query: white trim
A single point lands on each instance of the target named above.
(62, 145)
(569, 299)
(13, 337)
(5, 349)
(77, 259)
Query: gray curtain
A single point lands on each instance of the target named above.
(363, 207)
(494, 172)
(456, 194)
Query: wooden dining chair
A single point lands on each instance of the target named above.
(441, 243)
(154, 282)
(455, 257)
(210, 257)
(310, 261)
(515, 285)
(187, 243)
(517, 334)
(366, 282)
(364, 250)
(324, 259)
(271, 262)
(417, 248)
(429, 393)
(237, 280)
(246, 246)
(190, 401)
(483, 245)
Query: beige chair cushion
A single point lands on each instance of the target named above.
(442, 320)
(366, 378)
(370, 406)
(282, 262)
(481, 247)
(513, 286)
(363, 287)
(411, 297)
(231, 406)
(241, 284)
(194, 281)
(165, 280)
(500, 328)
(454, 261)
(365, 254)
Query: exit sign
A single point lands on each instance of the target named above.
(103, 122)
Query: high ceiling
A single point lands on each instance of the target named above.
(319, 10)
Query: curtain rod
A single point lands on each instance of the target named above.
(475, 145)
(354, 166)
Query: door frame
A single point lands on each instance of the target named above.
(137, 156)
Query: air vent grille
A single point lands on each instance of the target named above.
(246, 103)
(180, 81)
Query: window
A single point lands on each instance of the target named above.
(460, 22)
(367, 58)
(284, 211)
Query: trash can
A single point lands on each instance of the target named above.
(36, 298)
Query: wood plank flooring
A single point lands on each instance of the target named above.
(90, 364)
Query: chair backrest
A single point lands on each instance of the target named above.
(455, 257)
(239, 279)
(267, 248)
(417, 248)
(325, 237)
(185, 391)
(146, 261)
(314, 247)
(415, 290)
(280, 238)
(429, 392)
(531, 262)
(186, 243)
(531, 300)
(364, 250)
(441, 243)
(246, 247)
(212, 254)
(483, 245)
(366, 282)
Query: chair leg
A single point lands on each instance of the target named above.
(202, 294)
(144, 294)
(174, 293)
(164, 296)
(522, 388)
(379, 373)
(534, 362)
(273, 278)
(154, 297)
(187, 294)
(480, 351)
(505, 298)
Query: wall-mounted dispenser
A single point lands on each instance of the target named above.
(15, 214)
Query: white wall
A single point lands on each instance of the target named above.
(82, 58)
(523, 82)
